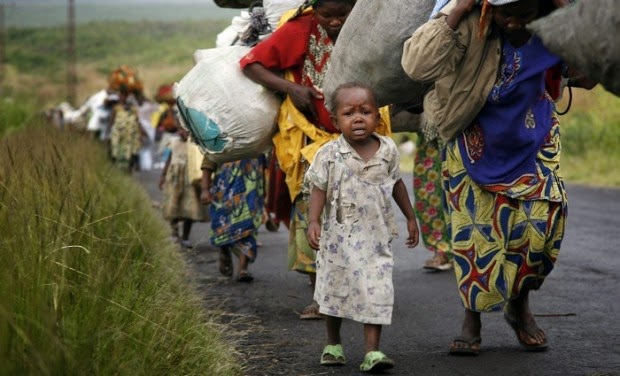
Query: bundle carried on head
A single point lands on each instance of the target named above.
(165, 94)
(125, 79)
(255, 24)
(233, 3)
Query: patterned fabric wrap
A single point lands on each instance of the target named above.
(237, 204)
(125, 137)
(428, 193)
(503, 239)
(502, 144)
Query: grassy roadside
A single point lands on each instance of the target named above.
(89, 283)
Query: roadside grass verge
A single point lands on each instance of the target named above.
(90, 283)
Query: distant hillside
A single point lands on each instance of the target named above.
(37, 13)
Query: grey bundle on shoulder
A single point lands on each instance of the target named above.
(370, 47)
(585, 35)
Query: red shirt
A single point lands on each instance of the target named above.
(287, 49)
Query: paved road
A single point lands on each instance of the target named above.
(579, 306)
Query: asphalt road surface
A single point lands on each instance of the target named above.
(578, 306)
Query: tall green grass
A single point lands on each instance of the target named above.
(89, 282)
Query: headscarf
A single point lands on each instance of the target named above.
(485, 16)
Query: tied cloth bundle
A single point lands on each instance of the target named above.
(125, 78)
(259, 25)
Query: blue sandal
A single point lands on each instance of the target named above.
(375, 361)
(333, 355)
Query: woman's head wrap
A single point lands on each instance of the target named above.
(485, 17)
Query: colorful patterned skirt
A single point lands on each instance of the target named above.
(237, 204)
(428, 193)
(504, 238)
(125, 137)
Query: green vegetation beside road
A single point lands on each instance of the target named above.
(90, 283)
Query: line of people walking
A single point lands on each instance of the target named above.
(489, 199)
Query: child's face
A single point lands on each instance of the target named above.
(512, 18)
(331, 16)
(357, 115)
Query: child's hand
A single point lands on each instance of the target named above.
(413, 238)
(162, 180)
(314, 234)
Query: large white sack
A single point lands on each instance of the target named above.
(585, 35)
(228, 115)
(370, 46)
(274, 9)
(232, 34)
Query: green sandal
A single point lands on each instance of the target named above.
(333, 356)
(376, 361)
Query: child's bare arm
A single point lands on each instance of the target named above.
(401, 197)
(317, 202)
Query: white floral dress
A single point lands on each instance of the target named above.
(354, 263)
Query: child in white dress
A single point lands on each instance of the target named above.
(353, 179)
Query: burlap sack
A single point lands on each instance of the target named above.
(585, 35)
(370, 46)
